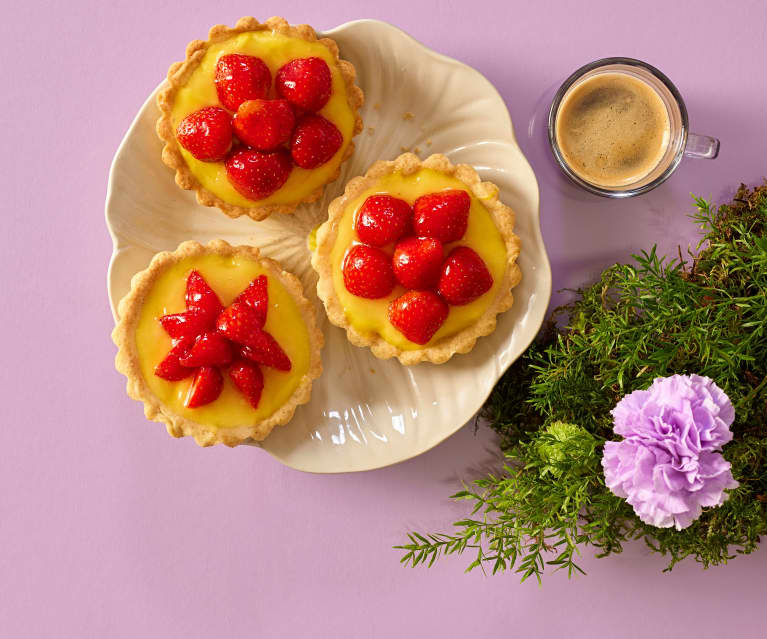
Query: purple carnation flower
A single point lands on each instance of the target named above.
(668, 466)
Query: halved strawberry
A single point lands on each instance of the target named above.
(201, 297)
(258, 174)
(418, 315)
(306, 82)
(170, 368)
(443, 215)
(239, 322)
(206, 387)
(206, 134)
(368, 272)
(241, 77)
(464, 277)
(248, 379)
(264, 124)
(315, 140)
(256, 296)
(264, 349)
(383, 219)
(209, 349)
(186, 325)
(417, 262)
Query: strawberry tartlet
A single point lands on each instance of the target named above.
(218, 342)
(260, 117)
(417, 259)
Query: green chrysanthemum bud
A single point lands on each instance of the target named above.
(562, 448)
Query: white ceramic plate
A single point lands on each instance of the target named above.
(364, 413)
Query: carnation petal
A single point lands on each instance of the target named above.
(627, 412)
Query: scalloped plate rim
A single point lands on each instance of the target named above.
(543, 287)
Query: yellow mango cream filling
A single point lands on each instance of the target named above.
(370, 316)
(275, 50)
(228, 277)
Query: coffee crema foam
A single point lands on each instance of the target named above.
(612, 129)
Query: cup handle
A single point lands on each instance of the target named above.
(701, 146)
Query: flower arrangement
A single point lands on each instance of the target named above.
(643, 417)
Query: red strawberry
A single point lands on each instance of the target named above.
(258, 174)
(417, 262)
(264, 124)
(206, 387)
(248, 379)
(368, 272)
(186, 325)
(241, 77)
(206, 134)
(256, 296)
(443, 215)
(383, 219)
(209, 349)
(201, 297)
(418, 315)
(262, 348)
(306, 82)
(315, 140)
(170, 368)
(239, 322)
(464, 277)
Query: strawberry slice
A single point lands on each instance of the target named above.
(383, 219)
(264, 349)
(305, 82)
(264, 124)
(200, 297)
(256, 296)
(464, 277)
(239, 322)
(242, 325)
(241, 77)
(248, 379)
(315, 140)
(443, 215)
(171, 368)
(368, 272)
(258, 174)
(209, 349)
(417, 262)
(206, 134)
(186, 325)
(206, 387)
(418, 315)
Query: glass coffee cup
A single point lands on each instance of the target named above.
(618, 127)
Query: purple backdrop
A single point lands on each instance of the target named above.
(110, 528)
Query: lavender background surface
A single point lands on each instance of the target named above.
(110, 528)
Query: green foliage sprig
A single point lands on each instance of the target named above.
(651, 318)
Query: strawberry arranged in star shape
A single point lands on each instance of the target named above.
(208, 339)
(418, 235)
(260, 137)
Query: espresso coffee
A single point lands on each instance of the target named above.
(612, 129)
